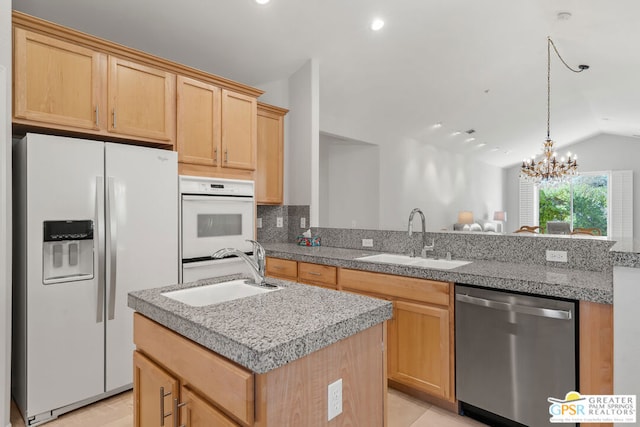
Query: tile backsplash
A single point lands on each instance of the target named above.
(591, 254)
(291, 215)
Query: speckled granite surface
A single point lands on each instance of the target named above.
(626, 253)
(534, 279)
(266, 331)
(584, 253)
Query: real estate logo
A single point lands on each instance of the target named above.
(577, 408)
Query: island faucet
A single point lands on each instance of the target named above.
(425, 248)
(257, 263)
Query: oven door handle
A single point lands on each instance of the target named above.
(515, 308)
(211, 198)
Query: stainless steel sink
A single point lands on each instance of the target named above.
(442, 264)
(218, 292)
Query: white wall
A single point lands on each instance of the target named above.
(599, 153)
(301, 135)
(349, 184)
(440, 182)
(5, 212)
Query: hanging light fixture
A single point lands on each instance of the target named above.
(549, 169)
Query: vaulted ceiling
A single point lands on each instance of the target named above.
(466, 64)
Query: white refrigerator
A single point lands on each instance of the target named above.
(93, 221)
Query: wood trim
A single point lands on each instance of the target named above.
(227, 384)
(42, 26)
(275, 110)
(214, 172)
(596, 350)
(296, 394)
(451, 406)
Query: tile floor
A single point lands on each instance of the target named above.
(117, 411)
(406, 411)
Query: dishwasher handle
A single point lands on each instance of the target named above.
(534, 311)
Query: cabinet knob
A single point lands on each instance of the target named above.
(226, 155)
(97, 115)
(114, 118)
(215, 155)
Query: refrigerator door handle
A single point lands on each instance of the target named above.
(100, 244)
(113, 246)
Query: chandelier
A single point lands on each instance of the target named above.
(549, 169)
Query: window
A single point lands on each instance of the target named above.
(571, 203)
(583, 202)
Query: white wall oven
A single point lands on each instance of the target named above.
(215, 213)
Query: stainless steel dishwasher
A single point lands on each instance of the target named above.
(513, 352)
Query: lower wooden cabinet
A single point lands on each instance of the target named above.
(420, 351)
(173, 375)
(197, 412)
(153, 392)
(420, 337)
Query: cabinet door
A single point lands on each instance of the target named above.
(58, 83)
(142, 101)
(239, 133)
(419, 347)
(269, 171)
(196, 412)
(153, 392)
(198, 122)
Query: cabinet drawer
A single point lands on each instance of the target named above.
(323, 275)
(227, 384)
(423, 290)
(283, 268)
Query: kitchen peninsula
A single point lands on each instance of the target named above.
(265, 360)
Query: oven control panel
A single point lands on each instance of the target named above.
(216, 186)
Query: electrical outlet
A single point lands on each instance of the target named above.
(259, 223)
(334, 402)
(367, 243)
(557, 256)
(279, 222)
(303, 222)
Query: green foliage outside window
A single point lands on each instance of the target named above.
(586, 196)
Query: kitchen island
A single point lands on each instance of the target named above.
(265, 360)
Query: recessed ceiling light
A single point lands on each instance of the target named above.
(456, 133)
(494, 149)
(262, 1)
(469, 139)
(437, 125)
(377, 24)
(482, 144)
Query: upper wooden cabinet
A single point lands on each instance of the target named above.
(58, 83)
(216, 130)
(239, 130)
(270, 167)
(141, 100)
(198, 124)
(68, 81)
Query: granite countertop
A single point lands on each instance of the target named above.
(266, 331)
(626, 253)
(533, 279)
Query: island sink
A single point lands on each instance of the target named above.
(217, 293)
(442, 264)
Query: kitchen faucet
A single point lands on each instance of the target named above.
(425, 248)
(257, 263)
